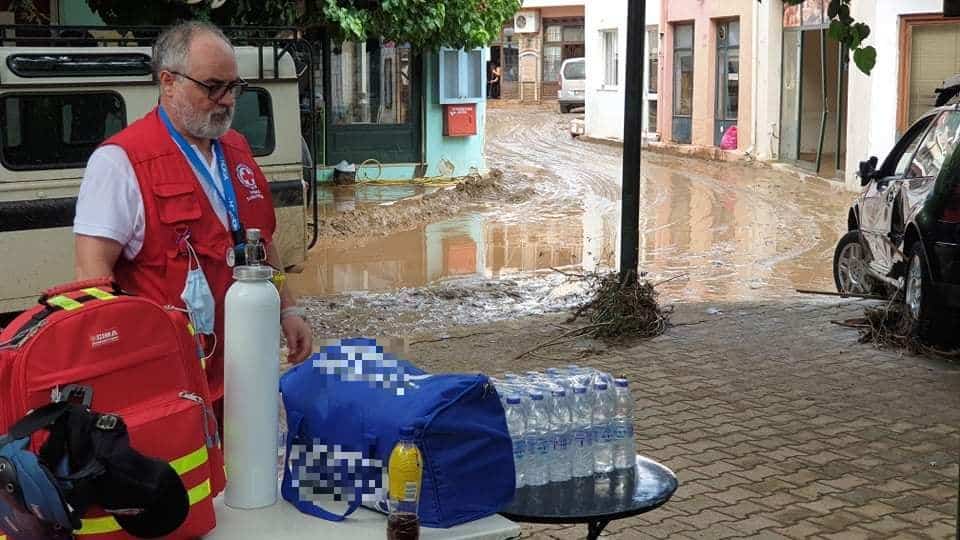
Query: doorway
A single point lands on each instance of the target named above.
(728, 78)
(813, 97)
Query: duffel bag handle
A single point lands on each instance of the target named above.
(290, 493)
(78, 286)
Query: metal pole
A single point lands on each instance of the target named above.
(632, 141)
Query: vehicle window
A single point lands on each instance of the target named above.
(253, 117)
(936, 147)
(899, 158)
(57, 131)
(575, 71)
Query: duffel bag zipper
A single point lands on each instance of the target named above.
(212, 441)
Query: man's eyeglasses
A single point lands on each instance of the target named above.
(217, 91)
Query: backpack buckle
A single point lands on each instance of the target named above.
(106, 422)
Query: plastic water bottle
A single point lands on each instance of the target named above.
(624, 449)
(517, 425)
(405, 474)
(602, 429)
(538, 442)
(582, 441)
(561, 463)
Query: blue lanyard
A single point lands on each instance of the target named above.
(227, 195)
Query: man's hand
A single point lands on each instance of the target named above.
(299, 338)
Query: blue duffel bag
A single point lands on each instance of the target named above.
(345, 407)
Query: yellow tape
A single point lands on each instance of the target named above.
(99, 294)
(64, 303)
(183, 465)
(190, 461)
(108, 524)
(199, 493)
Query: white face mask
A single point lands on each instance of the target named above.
(197, 296)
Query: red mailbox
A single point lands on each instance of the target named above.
(460, 120)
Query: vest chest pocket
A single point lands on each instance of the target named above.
(176, 203)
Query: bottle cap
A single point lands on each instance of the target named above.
(536, 396)
(600, 385)
(579, 389)
(622, 383)
(513, 400)
(253, 235)
(559, 392)
(406, 432)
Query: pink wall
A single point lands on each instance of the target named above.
(705, 14)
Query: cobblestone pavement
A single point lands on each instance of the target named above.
(777, 423)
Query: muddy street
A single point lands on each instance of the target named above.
(717, 231)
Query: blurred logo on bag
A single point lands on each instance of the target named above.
(104, 338)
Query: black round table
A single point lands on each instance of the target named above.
(595, 501)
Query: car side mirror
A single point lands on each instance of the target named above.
(868, 170)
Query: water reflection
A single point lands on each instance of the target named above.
(735, 233)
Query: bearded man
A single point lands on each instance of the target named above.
(164, 197)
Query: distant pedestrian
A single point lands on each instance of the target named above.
(494, 83)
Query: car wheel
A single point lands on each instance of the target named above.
(926, 320)
(850, 261)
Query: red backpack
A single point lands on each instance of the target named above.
(125, 355)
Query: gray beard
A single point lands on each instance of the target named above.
(213, 125)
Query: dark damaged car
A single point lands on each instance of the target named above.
(904, 227)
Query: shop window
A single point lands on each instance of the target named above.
(683, 83)
(552, 58)
(611, 57)
(370, 83)
(652, 115)
(462, 77)
(573, 34)
(253, 117)
(57, 131)
(554, 33)
(653, 58)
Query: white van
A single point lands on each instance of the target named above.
(57, 104)
(573, 82)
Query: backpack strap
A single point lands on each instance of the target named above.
(291, 492)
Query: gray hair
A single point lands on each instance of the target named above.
(172, 48)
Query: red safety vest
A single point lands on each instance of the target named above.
(174, 203)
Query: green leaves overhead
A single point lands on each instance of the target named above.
(422, 23)
(845, 30)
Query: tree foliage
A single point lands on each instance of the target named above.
(848, 32)
(422, 23)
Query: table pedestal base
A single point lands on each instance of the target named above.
(594, 528)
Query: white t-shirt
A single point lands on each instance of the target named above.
(110, 204)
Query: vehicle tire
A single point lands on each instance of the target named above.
(928, 321)
(850, 261)
(564, 109)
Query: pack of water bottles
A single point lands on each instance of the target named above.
(565, 423)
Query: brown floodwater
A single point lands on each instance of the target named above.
(718, 231)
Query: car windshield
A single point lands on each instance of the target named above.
(575, 71)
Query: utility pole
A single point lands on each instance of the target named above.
(632, 141)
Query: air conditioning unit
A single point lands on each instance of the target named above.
(525, 22)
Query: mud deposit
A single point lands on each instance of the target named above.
(712, 232)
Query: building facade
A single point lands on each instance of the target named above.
(606, 54)
(533, 46)
(704, 88)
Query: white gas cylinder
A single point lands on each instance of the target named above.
(251, 387)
